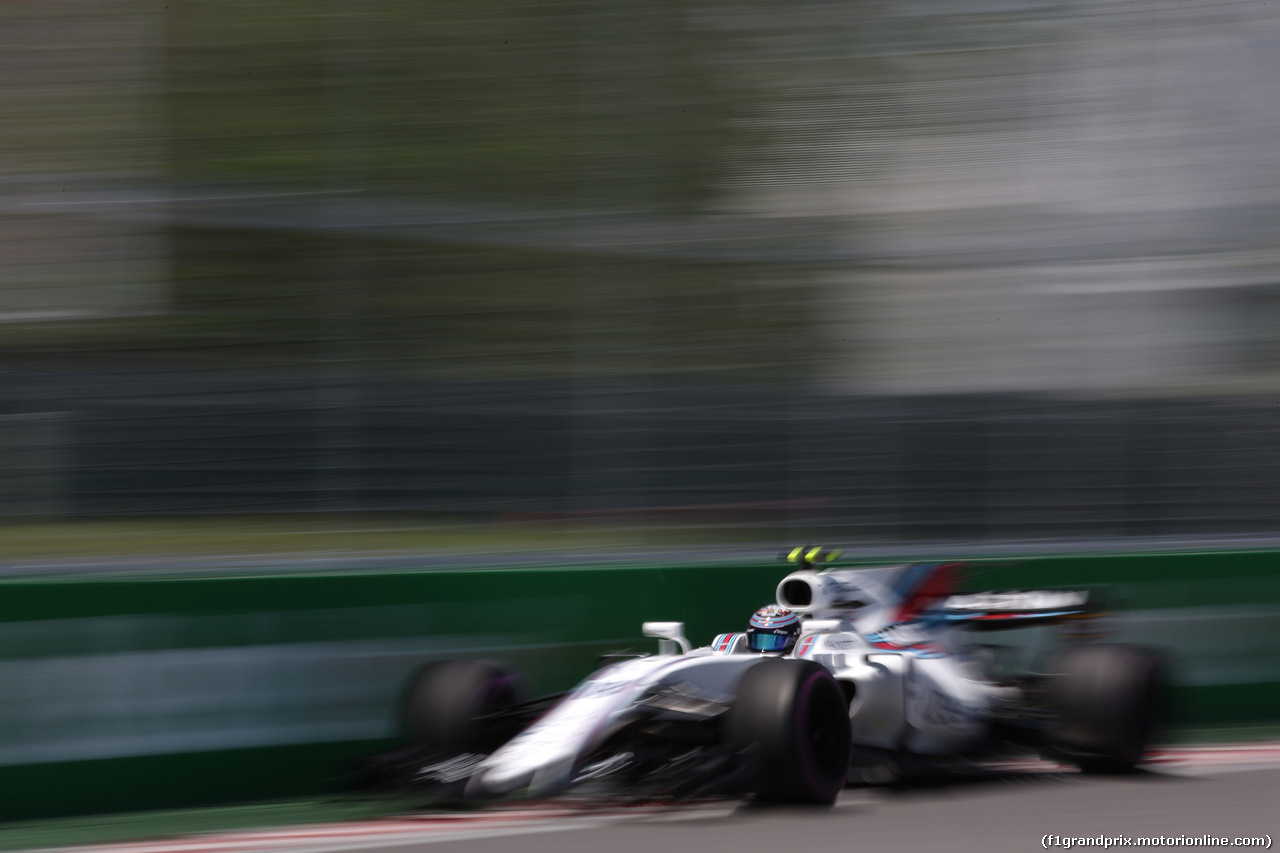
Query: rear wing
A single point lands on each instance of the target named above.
(1015, 608)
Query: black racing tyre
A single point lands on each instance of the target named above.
(794, 720)
(446, 706)
(1108, 699)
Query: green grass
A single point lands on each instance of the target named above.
(331, 536)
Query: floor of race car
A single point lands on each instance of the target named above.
(1007, 805)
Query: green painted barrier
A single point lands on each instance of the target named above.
(161, 692)
(127, 693)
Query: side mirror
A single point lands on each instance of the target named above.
(670, 636)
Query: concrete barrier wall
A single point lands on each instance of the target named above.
(152, 692)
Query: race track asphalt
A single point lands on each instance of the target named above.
(1226, 791)
(1010, 813)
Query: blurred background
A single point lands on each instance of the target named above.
(384, 282)
(308, 275)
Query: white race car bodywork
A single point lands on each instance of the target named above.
(910, 686)
(544, 757)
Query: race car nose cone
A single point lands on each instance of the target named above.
(497, 782)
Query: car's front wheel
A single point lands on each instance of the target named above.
(792, 719)
(452, 707)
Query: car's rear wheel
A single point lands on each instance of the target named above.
(792, 718)
(452, 707)
(1108, 701)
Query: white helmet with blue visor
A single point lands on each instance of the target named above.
(773, 628)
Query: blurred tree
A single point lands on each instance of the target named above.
(512, 129)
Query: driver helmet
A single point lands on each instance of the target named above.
(774, 629)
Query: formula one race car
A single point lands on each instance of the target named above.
(850, 669)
